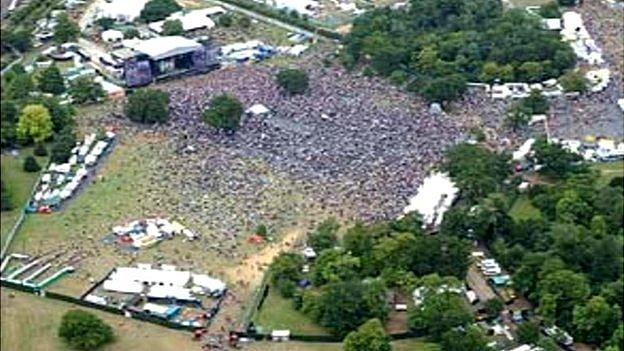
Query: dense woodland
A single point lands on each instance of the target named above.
(436, 46)
(567, 261)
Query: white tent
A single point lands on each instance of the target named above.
(257, 109)
(193, 20)
(211, 284)
(112, 36)
(176, 292)
(435, 196)
(120, 10)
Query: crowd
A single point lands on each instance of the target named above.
(351, 142)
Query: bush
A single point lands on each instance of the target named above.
(148, 106)
(294, 81)
(573, 81)
(84, 331)
(243, 21)
(225, 20)
(224, 113)
(105, 23)
(51, 81)
(173, 27)
(40, 150)
(85, 89)
(550, 10)
(31, 165)
(131, 33)
(493, 307)
(64, 142)
(261, 230)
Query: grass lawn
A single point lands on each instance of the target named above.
(278, 313)
(30, 323)
(609, 171)
(402, 345)
(19, 184)
(523, 209)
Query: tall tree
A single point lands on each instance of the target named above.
(34, 123)
(84, 331)
(51, 81)
(370, 336)
(224, 112)
(148, 106)
(472, 339)
(156, 10)
(440, 313)
(65, 30)
(595, 321)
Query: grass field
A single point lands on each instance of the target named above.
(523, 209)
(402, 345)
(278, 313)
(609, 171)
(30, 323)
(19, 183)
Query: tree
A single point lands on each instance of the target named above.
(439, 313)
(518, 116)
(61, 114)
(51, 81)
(225, 20)
(370, 336)
(334, 265)
(156, 10)
(550, 10)
(19, 87)
(8, 120)
(559, 292)
(244, 22)
(261, 230)
(616, 343)
(567, 2)
(444, 89)
(476, 170)
(172, 27)
(343, 306)
(536, 103)
(19, 40)
(31, 165)
(131, 33)
(324, 236)
(84, 90)
(493, 307)
(286, 268)
(596, 321)
(573, 81)
(5, 197)
(294, 81)
(84, 331)
(148, 106)
(34, 123)
(65, 30)
(224, 112)
(528, 333)
(531, 72)
(556, 162)
(470, 340)
(105, 23)
(64, 142)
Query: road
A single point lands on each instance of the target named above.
(479, 285)
(267, 19)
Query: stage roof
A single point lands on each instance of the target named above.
(163, 47)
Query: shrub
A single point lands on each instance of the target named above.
(64, 142)
(294, 81)
(84, 331)
(225, 20)
(85, 89)
(224, 112)
(573, 81)
(31, 165)
(148, 106)
(173, 27)
(261, 230)
(40, 150)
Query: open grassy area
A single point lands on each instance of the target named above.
(402, 345)
(523, 209)
(609, 171)
(30, 323)
(19, 184)
(278, 313)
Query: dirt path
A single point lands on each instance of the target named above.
(247, 277)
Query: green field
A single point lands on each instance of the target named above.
(523, 209)
(30, 323)
(609, 171)
(19, 184)
(278, 313)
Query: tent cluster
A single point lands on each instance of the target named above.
(191, 20)
(61, 181)
(584, 46)
(435, 196)
(147, 232)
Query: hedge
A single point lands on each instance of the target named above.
(284, 17)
